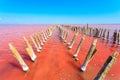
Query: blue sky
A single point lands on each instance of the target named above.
(59, 11)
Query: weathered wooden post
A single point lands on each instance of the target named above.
(101, 32)
(115, 36)
(104, 34)
(37, 41)
(107, 66)
(89, 56)
(108, 34)
(65, 39)
(90, 31)
(63, 35)
(18, 57)
(96, 32)
(119, 37)
(42, 36)
(78, 48)
(73, 40)
(35, 44)
(30, 50)
(40, 39)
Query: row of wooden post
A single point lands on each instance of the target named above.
(63, 34)
(95, 32)
(109, 62)
(116, 37)
(38, 40)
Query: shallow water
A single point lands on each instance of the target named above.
(55, 61)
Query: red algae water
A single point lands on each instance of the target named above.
(55, 61)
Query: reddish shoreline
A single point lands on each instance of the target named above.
(55, 61)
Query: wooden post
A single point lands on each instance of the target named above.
(104, 34)
(115, 36)
(35, 44)
(73, 40)
(47, 34)
(90, 31)
(119, 37)
(96, 32)
(107, 66)
(63, 33)
(37, 41)
(30, 50)
(42, 36)
(18, 57)
(89, 56)
(78, 48)
(65, 39)
(108, 34)
(101, 32)
(40, 39)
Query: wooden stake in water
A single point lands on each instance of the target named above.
(107, 66)
(90, 31)
(78, 48)
(65, 39)
(115, 36)
(18, 57)
(64, 33)
(37, 41)
(30, 50)
(89, 56)
(101, 32)
(40, 39)
(42, 36)
(119, 37)
(73, 40)
(108, 34)
(34, 42)
(47, 34)
(50, 32)
(104, 34)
